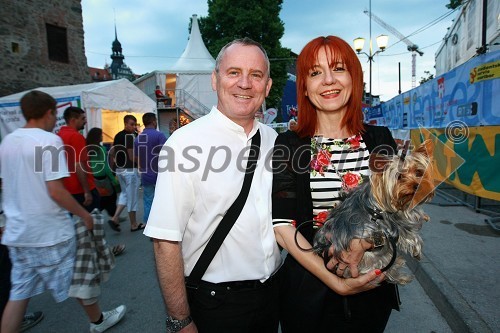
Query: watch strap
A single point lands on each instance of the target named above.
(175, 325)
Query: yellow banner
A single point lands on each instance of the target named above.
(466, 157)
(487, 71)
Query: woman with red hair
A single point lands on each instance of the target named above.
(326, 153)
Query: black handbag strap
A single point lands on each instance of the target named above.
(229, 218)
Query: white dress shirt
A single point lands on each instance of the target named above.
(200, 174)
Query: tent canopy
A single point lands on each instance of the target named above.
(192, 71)
(116, 95)
(196, 55)
(97, 99)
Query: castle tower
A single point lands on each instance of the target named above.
(42, 45)
(118, 69)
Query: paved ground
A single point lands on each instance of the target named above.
(456, 290)
(460, 270)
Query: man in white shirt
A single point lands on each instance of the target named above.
(201, 171)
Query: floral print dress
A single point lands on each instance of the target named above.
(336, 165)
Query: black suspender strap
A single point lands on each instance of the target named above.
(229, 218)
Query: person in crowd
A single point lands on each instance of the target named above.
(98, 163)
(105, 180)
(147, 147)
(165, 99)
(328, 151)
(39, 232)
(239, 290)
(122, 161)
(80, 183)
(159, 93)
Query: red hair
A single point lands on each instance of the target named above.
(339, 51)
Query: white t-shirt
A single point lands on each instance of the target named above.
(191, 199)
(28, 158)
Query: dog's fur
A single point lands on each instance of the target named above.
(395, 191)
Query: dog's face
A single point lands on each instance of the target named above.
(404, 184)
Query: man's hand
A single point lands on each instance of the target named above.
(87, 199)
(88, 220)
(63, 198)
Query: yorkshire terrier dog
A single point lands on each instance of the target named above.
(384, 211)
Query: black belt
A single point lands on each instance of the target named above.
(234, 285)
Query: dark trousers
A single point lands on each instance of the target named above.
(233, 308)
(5, 268)
(307, 305)
(96, 200)
(108, 203)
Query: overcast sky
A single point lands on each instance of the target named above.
(154, 33)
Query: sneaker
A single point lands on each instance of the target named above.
(110, 318)
(31, 319)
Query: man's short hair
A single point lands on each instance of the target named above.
(35, 104)
(148, 118)
(129, 117)
(72, 112)
(245, 42)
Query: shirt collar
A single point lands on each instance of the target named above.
(228, 123)
(67, 128)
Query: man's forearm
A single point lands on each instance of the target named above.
(309, 260)
(130, 155)
(64, 199)
(81, 174)
(170, 269)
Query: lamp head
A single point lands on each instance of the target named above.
(382, 42)
(358, 44)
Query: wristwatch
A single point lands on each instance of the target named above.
(377, 239)
(175, 325)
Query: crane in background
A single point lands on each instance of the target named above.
(411, 47)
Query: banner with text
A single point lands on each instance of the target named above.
(468, 93)
(11, 116)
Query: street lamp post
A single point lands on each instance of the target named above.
(359, 42)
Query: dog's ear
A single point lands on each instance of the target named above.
(426, 148)
(378, 162)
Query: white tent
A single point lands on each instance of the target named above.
(189, 77)
(105, 104)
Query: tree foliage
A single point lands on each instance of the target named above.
(427, 78)
(454, 4)
(256, 19)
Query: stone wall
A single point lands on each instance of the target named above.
(24, 59)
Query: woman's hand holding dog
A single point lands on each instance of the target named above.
(350, 258)
(285, 235)
(364, 282)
